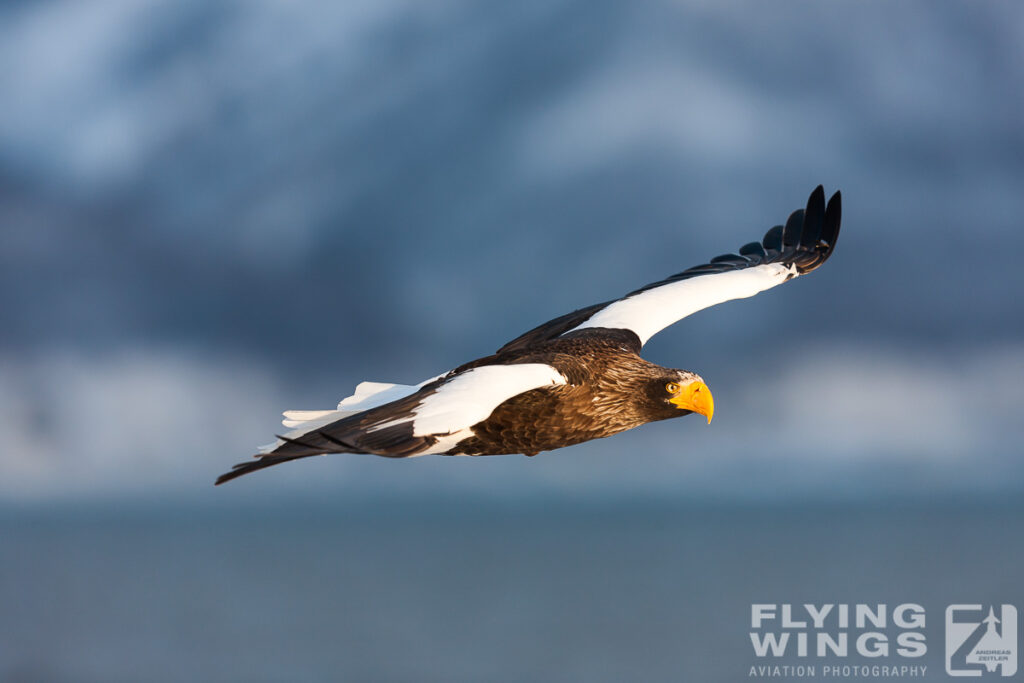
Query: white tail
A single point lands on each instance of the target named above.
(367, 395)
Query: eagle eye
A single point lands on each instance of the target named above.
(672, 388)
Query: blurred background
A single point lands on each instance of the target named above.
(212, 212)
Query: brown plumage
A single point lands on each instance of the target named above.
(611, 389)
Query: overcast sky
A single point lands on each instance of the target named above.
(214, 212)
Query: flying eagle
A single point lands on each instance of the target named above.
(575, 378)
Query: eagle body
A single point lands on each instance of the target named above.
(572, 379)
(610, 389)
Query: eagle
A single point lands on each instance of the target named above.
(572, 379)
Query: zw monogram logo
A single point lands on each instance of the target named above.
(981, 640)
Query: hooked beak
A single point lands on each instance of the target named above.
(696, 397)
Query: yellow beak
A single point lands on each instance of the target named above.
(697, 397)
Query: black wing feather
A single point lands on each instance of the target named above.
(254, 465)
(830, 225)
(733, 259)
(813, 217)
(552, 328)
(794, 228)
(752, 249)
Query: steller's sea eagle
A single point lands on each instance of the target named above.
(575, 378)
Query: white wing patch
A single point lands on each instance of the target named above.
(649, 312)
(473, 395)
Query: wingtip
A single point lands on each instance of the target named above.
(836, 200)
(237, 470)
(832, 220)
(228, 476)
(813, 218)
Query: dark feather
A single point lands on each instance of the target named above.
(254, 465)
(396, 441)
(794, 226)
(552, 328)
(300, 444)
(813, 217)
(773, 239)
(752, 249)
(830, 224)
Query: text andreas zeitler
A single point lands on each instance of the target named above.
(838, 631)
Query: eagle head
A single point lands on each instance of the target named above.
(679, 392)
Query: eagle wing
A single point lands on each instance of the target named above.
(801, 245)
(432, 419)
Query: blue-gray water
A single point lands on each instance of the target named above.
(467, 590)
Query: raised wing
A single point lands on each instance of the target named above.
(431, 420)
(804, 243)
